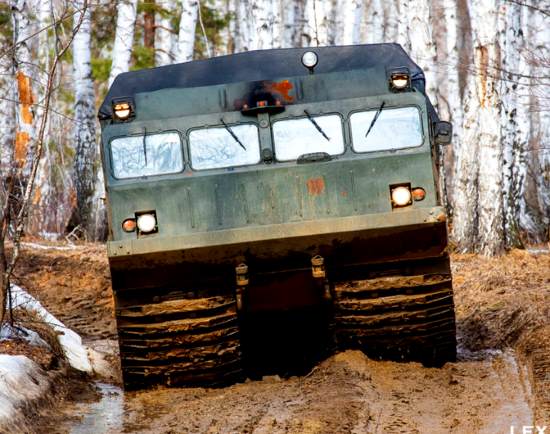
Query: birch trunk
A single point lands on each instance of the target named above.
(391, 22)
(164, 34)
(266, 18)
(25, 134)
(374, 18)
(186, 35)
(514, 130)
(353, 14)
(478, 219)
(539, 155)
(41, 220)
(7, 110)
(423, 50)
(402, 33)
(84, 131)
(124, 37)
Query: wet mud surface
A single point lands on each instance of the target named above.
(500, 380)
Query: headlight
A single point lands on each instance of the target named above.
(309, 59)
(147, 223)
(400, 196)
(400, 79)
(123, 109)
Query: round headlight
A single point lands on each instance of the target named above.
(146, 223)
(309, 59)
(400, 196)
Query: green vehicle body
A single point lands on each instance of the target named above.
(274, 216)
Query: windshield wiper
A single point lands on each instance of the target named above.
(375, 118)
(230, 131)
(316, 125)
(145, 144)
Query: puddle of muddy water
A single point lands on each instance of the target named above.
(104, 416)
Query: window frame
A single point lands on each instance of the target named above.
(148, 133)
(313, 115)
(230, 125)
(387, 108)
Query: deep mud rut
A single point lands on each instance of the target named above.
(501, 380)
(347, 393)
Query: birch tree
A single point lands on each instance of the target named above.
(7, 108)
(23, 60)
(423, 50)
(164, 35)
(478, 216)
(186, 34)
(124, 37)
(84, 129)
(538, 55)
(374, 19)
(353, 15)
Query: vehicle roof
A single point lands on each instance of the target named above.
(256, 66)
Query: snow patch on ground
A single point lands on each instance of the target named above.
(21, 380)
(74, 350)
(8, 331)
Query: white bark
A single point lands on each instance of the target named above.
(374, 17)
(40, 218)
(478, 218)
(539, 164)
(7, 109)
(164, 34)
(402, 34)
(25, 120)
(391, 23)
(353, 14)
(288, 23)
(514, 130)
(267, 22)
(186, 35)
(423, 46)
(84, 129)
(124, 37)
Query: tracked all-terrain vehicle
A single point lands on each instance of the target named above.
(300, 181)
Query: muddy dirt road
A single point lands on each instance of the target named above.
(501, 379)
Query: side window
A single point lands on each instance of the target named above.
(395, 128)
(150, 154)
(228, 146)
(295, 137)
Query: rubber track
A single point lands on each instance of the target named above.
(187, 341)
(398, 317)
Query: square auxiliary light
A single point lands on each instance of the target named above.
(123, 109)
(399, 79)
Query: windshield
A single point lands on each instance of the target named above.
(227, 146)
(293, 138)
(150, 154)
(394, 129)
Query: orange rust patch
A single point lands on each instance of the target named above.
(25, 97)
(21, 146)
(316, 186)
(37, 196)
(283, 88)
(344, 193)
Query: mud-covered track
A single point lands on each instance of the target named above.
(180, 339)
(398, 317)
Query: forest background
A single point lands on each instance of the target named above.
(487, 67)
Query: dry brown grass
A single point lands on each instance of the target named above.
(498, 299)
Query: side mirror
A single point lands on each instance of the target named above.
(443, 133)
